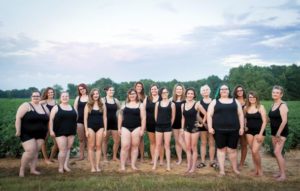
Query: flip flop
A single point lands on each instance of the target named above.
(201, 165)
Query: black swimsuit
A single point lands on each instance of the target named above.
(150, 121)
(34, 125)
(95, 120)
(190, 117)
(111, 109)
(80, 110)
(131, 118)
(275, 122)
(64, 123)
(177, 121)
(254, 123)
(164, 115)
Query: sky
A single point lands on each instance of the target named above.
(43, 43)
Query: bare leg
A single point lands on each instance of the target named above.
(105, 144)
(44, 151)
(158, 145)
(82, 140)
(212, 148)
(280, 160)
(232, 153)
(142, 148)
(54, 150)
(167, 140)
(116, 138)
(33, 165)
(203, 136)
(70, 142)
(244, 151)
(125, 146)
(178, 147)
(30, 148)
(62, 144)
(256, 156)
(99, 141)
(188, 143)
(221, 159)
(194, 142)
(135, 141)
(152, 145)
(91, 148)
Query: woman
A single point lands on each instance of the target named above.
(240, 94)
(131, 126)
(190, 127)
(204, 135)
(178, 99)
(279, 129)
(256, 121)
(164, 117)
(225, 120)
(112, 106)
(95, 121)
(49, 102)
(79, 105)
(139, 87)
(62, 126)
(149, 104)
(31, 126)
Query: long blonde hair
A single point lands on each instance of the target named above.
(174, 92)
(90, 103)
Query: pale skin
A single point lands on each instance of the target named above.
(80, 127)
(130, 140)
(179, 137)
(95, 138)
(278, 140)
(221, 152)
(54, 149)
(163, 138)
(256, 141)
(139, 88)
(115, 135)
(64, 143)
(191, 139)
(243, 139)
(204, 135)
(151, 135)
(31, 147)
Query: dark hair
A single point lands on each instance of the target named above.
(150, 95)
(161, 90)
(45, 93)
(35, 91)
(107, 87)
(129, 91)
(84, 86)
(191, 89)
(217, 95)
(143, 90)
(234, 93)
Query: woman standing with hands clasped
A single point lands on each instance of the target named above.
(190, 127)
(31, 126)
(164, 117)
(255, 121)
(62, 126)
(95, 121)
(225, 120)
(131, 126)
(279, 129)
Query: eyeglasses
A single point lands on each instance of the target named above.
(224, 89)
(81, 89)
(35, 96)
(164, 92)
(132, 94)
(252, 97)
(239, 90)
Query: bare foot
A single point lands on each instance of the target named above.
(122, 169)
(61, 171)
(192, 170)
(98, 169)
(154, 167)
(221, 174)
(115, 159)
(151, 162)
(21, 173)
(178, 162)
(276, 175)
(161, 163)
(134, 168)
(187, 170)
(168, 169)
(67, 169)
(48, 162)
(35, 172)
(237, 172)
(281, 178)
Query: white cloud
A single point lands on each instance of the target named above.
(278, 42)
(237, 32)
(236, 60)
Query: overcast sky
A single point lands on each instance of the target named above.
(43, 43)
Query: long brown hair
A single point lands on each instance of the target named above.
(174, 92)
(253, 94)
(45, 93)
(150, 94)
(84, 86)
(142, 92)
(90, 103)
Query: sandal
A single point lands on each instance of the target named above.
(213, 165)
(201, 165)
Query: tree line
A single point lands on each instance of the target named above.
(257, 78)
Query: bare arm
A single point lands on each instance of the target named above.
(209, 115)
(173, 113)
(76, 104)
(241, 116)
(143, 117)
(284, 114)
(263, 114)
(51, 120)
(85, 119)
(202, 110)
(182, 117)
(156, 111)
(120, 119)
(22, 110)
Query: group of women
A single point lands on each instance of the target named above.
(221, 122)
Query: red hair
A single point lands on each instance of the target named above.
(84, 86)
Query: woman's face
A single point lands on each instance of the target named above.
(64, 98)
(82, 90)
(110, 92)
(35, 97)
(251, 99)
(165, 94)
(276, 94)
(154, 90)
(240, 92)
(50, 94)
(224, 91)
(190, 95)
(205, 92)
(95, 95)
(132, 96)
(139, 88)
(179, 91)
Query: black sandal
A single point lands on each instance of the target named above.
(214, 165)
(201, 165)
